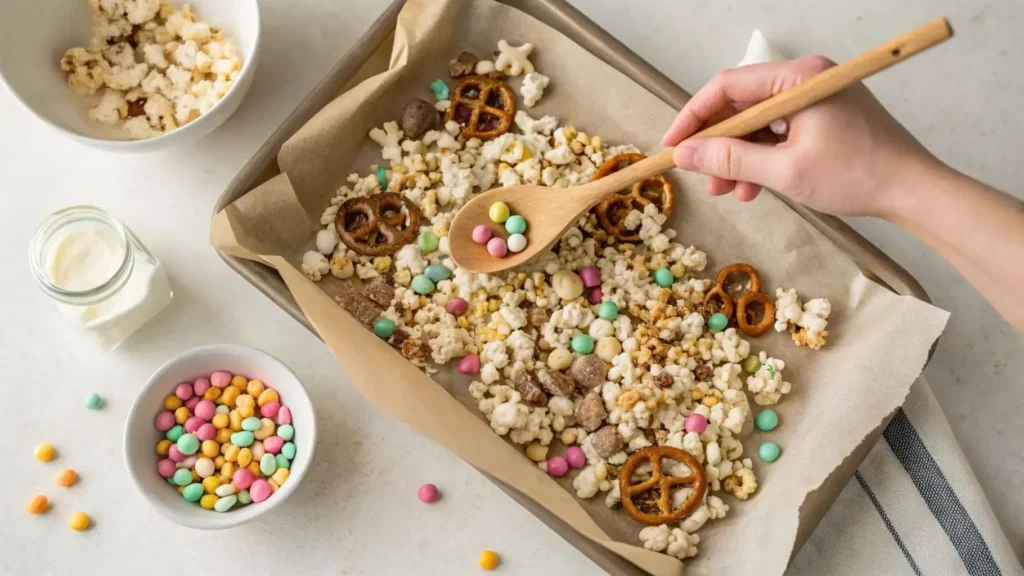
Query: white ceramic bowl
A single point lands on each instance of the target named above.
(141, 436)
(34, 34)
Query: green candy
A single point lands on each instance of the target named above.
(93, 401)
(288, 450)
(608, 310)
(751, 364)
(243, 497)
(421, 284)
(769, 451)
(182, 477)
(225, 503)
(384, 327)
(268, 464)
(193, 492)
(766, 420)
(436, 273)
(174, 433)
(242, 439)
(515, 225)
(286, 432)
(188, 444)
(582, 344)
(663, 277)
(428, 242)
(717, 322)
(170, 481)
(382, 178)
(282, 461)
(440, 89)
(251, 424)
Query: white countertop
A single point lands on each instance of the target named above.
(357, 511)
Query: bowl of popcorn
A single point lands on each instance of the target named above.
(219, 435)
(130, 75)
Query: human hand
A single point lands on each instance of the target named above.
(844, 156)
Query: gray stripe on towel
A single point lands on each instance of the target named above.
(885, 519)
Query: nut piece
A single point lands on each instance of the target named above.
(415, 350)
(559, 359)
(463, 64)
(379, 291)
(538, 317)
(556, 383)
(663, 380)
(418, 117)
(703, 373)
(591, 413)
(526, 384)
(588, 371)
(606, 442)
(567, 284)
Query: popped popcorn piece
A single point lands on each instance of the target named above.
(533, 88)
(586, 483)
(807, 321)
(314, 264)
(111, 109)
(512, 60)
(326, 240)
(528, 125)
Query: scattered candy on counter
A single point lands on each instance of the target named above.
(421, 284)
(43, 452)
(440, 89)
(428, 242)
(93, 401)
(78, 521)
(582, 343)
(766, 420)
(488, 560)
(428, 494)
(537, 452)
(37, 505)
(382, 178)
(457, 306)
(234, 444)
(718, 322)
(67, 477)
(384, 328)
(608, 310)
(469, 364)
(591, 277)
(751, 364)
(769, 451)
(663, 277)
(575, 457)
(557, 466)
(695, 422)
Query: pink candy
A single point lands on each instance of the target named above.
(201, 386)
(284, 416)
(269, 410)
(205, 410)
(174, 454)
(695, 423)
(164, 421)
(591, 276)
(595, 296)
(191, 403)
(481, 234)
(557, 466)
(456, 306)
(166, 468)
(496, 247)
(220, 379)
(183, 391)
(243, 479)
(470, 364)
(427, 493)
(260, 490)
(273, 444)
(206, 432)
(575, 457)
(193, 424)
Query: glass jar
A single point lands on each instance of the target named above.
(98, 273)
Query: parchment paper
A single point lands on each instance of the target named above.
(878, 344)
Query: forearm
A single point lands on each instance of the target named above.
(978, 229)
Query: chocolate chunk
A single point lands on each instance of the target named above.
(526, 384)
(463, 64)
(556, 383)
(588, 371)
(364, 310)
(538, 317)
(606, 441)
(379, 291)
(663, 380)
(418, 117)
(399, 338)
(704, 373)
(137, 108)
(591, 413)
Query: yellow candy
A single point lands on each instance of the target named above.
(195, 475)
(498, 212)
(212, 393)
(181, 489)
(182, 414)
(218, 462)
(234, 421)
(268, 395)
(220, 421)
(488, 560)
(246, 412)
(273, 486)
(244, 457)
(210, 448)
(163, 447)
(254, 387)
(266, 429)
(280, 476)
(227, 470)
(208, 500)
(231, 453)
(79, 521)
(37, 505)
(245, 400)
(229, 396)
(43, 452)
(223, 435)
(172, 402)
(254, 467)
(238, 381)
(66, 477)
(210, 484)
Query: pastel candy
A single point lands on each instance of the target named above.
(243, 497)
(288, 450)
(164, 421)
(191, 403)
(200, 386)
(284, 416)
(175, 454)
(182, 477)
(188, 444)
(193, 424)
(268, 464)
(270, 409)
(575, 457)
(183, 391)
(251, 424)
(220, 379)
(166, 468)
(242, 439)
(174, 433)
(282, 461)
(225, 503)
(286, 432)
(273, 444)
(243, 478)
(206, 432)
(260, 491)
(205, 410)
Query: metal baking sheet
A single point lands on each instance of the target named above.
(359, 63)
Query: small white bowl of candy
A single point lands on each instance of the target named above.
(219, 435)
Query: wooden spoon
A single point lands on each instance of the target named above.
(550, 211)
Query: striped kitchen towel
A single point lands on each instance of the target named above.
(913, 507)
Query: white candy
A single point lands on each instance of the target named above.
(205, 467)
(517, 243)
(225, 490)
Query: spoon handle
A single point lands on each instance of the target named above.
(808, 93)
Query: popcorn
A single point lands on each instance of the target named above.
(389, 139)
(528, 125)
(767, 384)
(807, 322)
(586, 483)
(314, 264)
(326, 240)
(533, 88)
(111, 109)
(512, 60)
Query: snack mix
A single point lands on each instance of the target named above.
(159, 68)
(609, 351)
